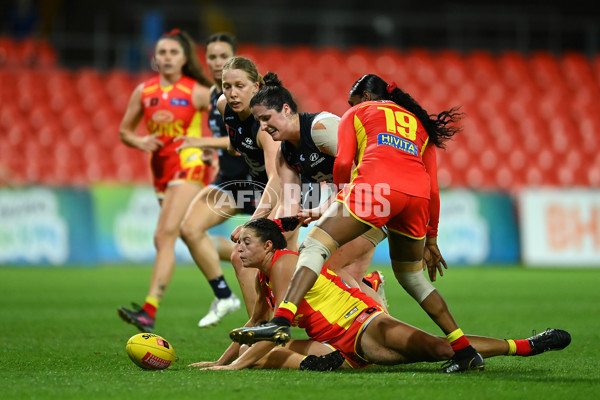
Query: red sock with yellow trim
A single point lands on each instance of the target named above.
(150, 306)
(458, 340)
(518, 347)
(285, 313)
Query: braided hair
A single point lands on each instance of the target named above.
(272, 230)
(440, 127)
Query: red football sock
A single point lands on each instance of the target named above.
(150, 309)
(286, 310)
(523, 347)
(458, 340)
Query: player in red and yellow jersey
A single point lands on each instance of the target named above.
(391, 139)
(338, 316)
(169, 113)
(170, 104)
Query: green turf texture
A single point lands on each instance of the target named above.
(61, 338)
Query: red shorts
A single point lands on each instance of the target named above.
(346, 343)
(381, 206)
(172, 169)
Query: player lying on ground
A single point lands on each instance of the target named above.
(335, 311)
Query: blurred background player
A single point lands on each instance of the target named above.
(170, 104)
(233, 170)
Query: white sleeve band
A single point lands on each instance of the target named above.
(326, 139)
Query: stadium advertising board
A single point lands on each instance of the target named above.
(477, 228)
(126, 218)
(46, 226)
(116, 223)
(560, 227)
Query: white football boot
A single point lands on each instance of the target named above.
(218, 309)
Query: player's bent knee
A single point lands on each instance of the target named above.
(315, 249)
(415, 284)
(191, 234)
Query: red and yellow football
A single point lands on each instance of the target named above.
(150, 351)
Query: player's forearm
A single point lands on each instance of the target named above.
(268, 200)
(230, 354)
(130, 138)
(214, 143)
(253, 354)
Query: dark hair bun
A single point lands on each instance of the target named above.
(289, 223)
(271, 79)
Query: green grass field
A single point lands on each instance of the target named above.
(62, 339)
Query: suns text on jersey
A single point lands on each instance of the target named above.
(171, 129)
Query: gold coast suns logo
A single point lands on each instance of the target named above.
(164, 124)
(163, 117)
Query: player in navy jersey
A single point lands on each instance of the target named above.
(304, 162)
(239, 81)
(216, 203)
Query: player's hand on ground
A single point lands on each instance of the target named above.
(150, 143)
(221, 368)
(203, 364)
(433, 260)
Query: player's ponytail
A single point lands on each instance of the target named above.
(271, 79)
(287, 224)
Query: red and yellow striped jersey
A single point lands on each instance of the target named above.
(382, 136)
(330, 306)
(169, 112)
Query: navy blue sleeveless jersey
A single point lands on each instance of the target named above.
(243, 138)
(312, 165)
(230, 167)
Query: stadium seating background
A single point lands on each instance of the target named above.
(530, 120)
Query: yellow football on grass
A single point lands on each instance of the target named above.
(150, 351)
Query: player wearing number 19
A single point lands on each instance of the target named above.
(392, 139)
